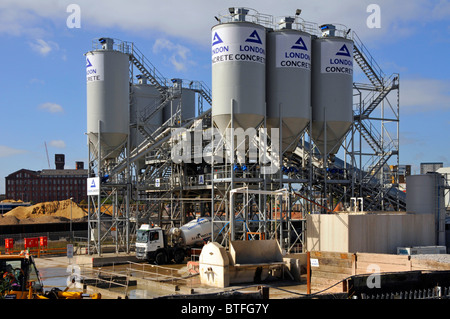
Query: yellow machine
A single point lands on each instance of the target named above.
(19, 279)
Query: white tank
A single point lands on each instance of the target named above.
(332, 89)
(185, 97)
(238, 72)
(288, 82)
(425, 195)
(144, 99)
(196, 231)
(107, 76)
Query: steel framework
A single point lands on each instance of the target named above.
(243, 202)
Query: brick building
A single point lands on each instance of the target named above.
(48, 184)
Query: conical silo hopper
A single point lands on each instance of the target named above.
(332, 90)
(288, 81)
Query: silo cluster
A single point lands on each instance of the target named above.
(285, 75)
(117, 107)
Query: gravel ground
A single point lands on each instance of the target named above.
(443, 258)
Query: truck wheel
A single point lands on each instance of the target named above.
(179, 256)
(161, 258)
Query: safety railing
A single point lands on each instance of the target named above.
(158, 274)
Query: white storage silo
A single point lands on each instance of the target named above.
(107, 76)
(144, 99)
(238, 72)
(425, 195)
(185, 101)
(332, 89)
(288, 81)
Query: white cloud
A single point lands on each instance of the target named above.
(397, 18)
(58, 143)
(178, 53)
(6, 151)
(193, 19)
(51, 107)
(30, 18)
(43, 47)
(421, 94)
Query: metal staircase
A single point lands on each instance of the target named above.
(369, 133)
(167, 92)
(344, 181)
(377, 166)
(366, 62)
(148, 69)
(379, 95)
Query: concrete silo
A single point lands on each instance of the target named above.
(183, 102)
(107, 76)
(144, 100)
(288, 81)
(238, 71)
(332, 89)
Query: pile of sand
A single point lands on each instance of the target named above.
(11, 201)
(48, 212)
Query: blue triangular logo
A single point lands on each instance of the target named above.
(216, 39)
(300, 45)
(254, 37)
(88, 63)
(343, 51)
(93, 183)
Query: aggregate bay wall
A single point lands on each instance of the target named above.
(330, 269)
(368, 232)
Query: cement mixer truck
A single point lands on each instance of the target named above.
(154, 245)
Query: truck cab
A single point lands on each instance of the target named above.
(150, 243)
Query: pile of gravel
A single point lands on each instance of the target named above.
(442, 258)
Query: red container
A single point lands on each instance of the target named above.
(43, 241)
(31, 242)
(9, 243)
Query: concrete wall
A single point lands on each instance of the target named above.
(327, 232)
(255, 252)
(368, 232)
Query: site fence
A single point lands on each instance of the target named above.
(56, 242)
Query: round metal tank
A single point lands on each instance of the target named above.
(288, 83)
(107, 97)
(197, 230)
(332, 91)
(185, 101)
(424, 193)
(144, 99)
(238, 74)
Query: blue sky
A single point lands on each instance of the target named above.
(42, 80)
